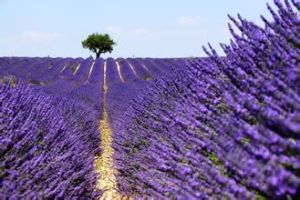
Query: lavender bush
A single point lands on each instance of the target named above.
(47, 146)
(227, 128)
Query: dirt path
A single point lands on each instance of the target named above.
(104, 164)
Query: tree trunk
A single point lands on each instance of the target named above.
(98, 54)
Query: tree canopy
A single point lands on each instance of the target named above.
(99, 43)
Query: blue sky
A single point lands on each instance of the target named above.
(156, 28)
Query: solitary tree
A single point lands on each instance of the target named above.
(98, 43)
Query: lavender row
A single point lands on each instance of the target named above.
(47, 146)
(226, 128)
(62, 147)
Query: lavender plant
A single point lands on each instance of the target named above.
(227, 128)
(47, 146)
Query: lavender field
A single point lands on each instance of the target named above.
(215, 127)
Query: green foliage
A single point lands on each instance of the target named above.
(138, 146)
(222, 107)
(259, 196)
(246, 140)
(99, 43)
(214, 159)
(12, 80)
